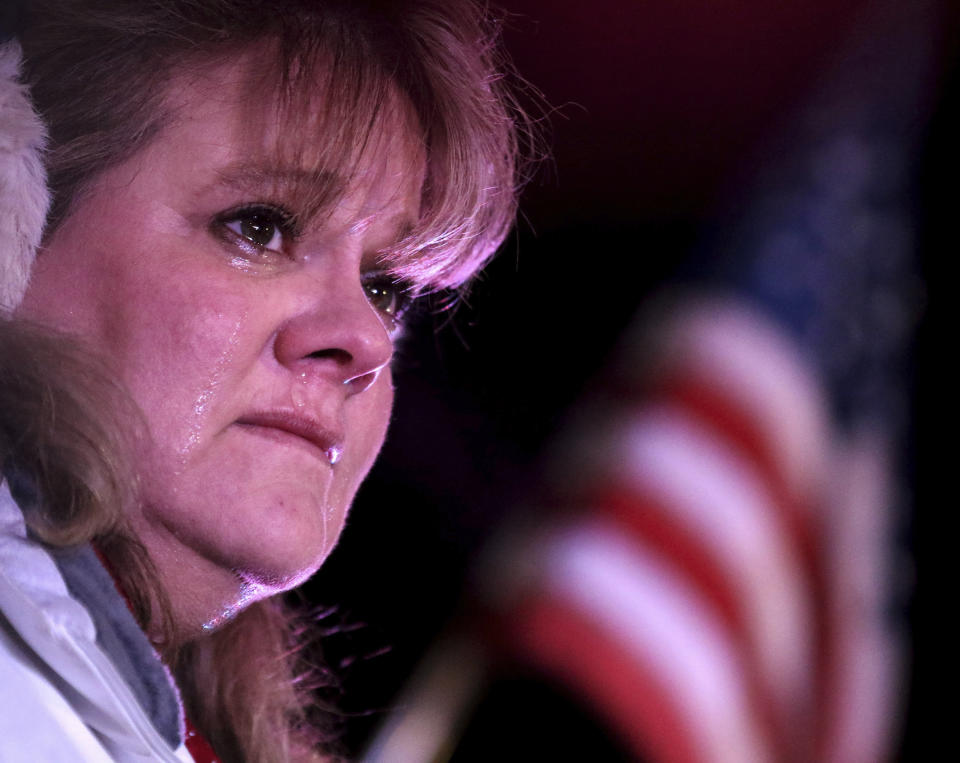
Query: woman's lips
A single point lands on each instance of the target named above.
(284, 425)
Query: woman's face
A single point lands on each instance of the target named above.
(254, 336)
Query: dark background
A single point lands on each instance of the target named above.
(656, 107)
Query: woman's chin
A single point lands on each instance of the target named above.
(208, 585)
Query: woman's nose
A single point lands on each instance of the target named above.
(339, 337)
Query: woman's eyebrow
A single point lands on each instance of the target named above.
(311, 190)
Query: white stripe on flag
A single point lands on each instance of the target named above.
(652, 612)
(721, 499)
(755, 366)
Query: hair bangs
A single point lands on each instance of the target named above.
(348, 57)
(337, 109)
(367, 74)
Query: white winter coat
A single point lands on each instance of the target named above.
(62, 699)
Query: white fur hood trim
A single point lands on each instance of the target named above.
(24, 199)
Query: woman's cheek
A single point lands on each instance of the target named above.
(185, 366)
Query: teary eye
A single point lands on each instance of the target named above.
(260, 231)
(387, 295)
(259, 227)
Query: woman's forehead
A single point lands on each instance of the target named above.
(296, 147)
(317, 136)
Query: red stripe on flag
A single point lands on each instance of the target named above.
(652, 524)
(739, 430)
(556, 637)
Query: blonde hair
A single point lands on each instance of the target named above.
(99, 72)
